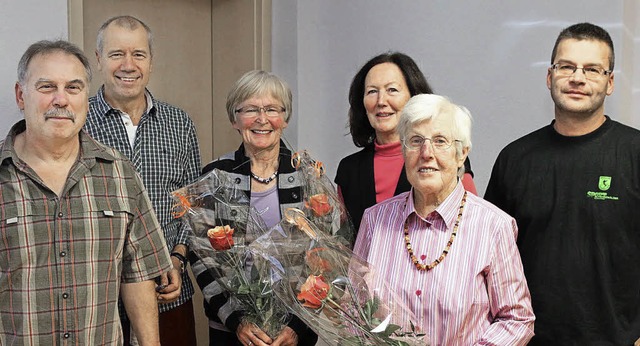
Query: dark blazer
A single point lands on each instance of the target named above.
(356, 182)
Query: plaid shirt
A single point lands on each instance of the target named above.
(165, 153)
(63, 258)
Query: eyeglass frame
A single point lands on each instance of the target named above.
(424, 140)
(244, 111)
(556, 68)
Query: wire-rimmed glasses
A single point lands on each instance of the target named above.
(440, 143)
(254, 111)
(590, 72)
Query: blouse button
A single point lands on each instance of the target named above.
(291, 179)
(237, 180)
(234, 212)
(294, 195)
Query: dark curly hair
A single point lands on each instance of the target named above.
(361, 131)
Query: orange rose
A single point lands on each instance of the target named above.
(319, 204)
(313, 292)
(221, 237)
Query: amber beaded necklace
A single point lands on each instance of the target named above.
(414, 259)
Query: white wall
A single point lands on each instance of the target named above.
(23, 23)
(490, 56)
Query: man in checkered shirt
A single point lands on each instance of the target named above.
(160, 140)
(77, 228)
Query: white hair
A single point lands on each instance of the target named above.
(425, 107)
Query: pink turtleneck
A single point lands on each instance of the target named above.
(387, 165)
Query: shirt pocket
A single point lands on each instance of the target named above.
(23, 230)
(105, 224)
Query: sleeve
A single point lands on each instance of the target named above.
(145, 254)
(509, 297)
(218, 305)
(341, 175)
(191, 173)
(338, 178)
(494, 192)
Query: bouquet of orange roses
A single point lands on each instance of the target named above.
(222, 224)
(321, 202)
(332, 290)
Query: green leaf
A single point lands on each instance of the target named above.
(392, 328)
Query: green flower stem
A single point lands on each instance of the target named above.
(352, 319)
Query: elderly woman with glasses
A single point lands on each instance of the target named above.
(259, 108)
(449, 254)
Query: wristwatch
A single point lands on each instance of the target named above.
(183, 261)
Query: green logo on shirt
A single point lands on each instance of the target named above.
(605, 183)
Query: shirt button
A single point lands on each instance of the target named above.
(294, 195)
(65, 295)
(291, 179)
(60, 214)
(62, 253)
(66, 335)
(238, 180)
(234, 212)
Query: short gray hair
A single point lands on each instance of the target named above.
(127, 22)
(45, 47)
(259, 83)
(426, 107)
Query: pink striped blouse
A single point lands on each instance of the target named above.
(478, 294)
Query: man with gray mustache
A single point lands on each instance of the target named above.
(76, 226)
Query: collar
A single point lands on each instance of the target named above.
(284, 165)
(7, 151)
(447, 210)
(391, 149)
(89, 148)
(106, 108)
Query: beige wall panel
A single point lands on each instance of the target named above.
(181, 72)
(241, 37)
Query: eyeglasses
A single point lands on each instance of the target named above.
(253, 111)
(591, 72)
(440, 143)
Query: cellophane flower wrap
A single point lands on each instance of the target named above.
(321, 202)
(331, 289)
(222, 225)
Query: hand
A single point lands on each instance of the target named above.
(250, 335)
(637, 343)
(172, 283)
(287, 337)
